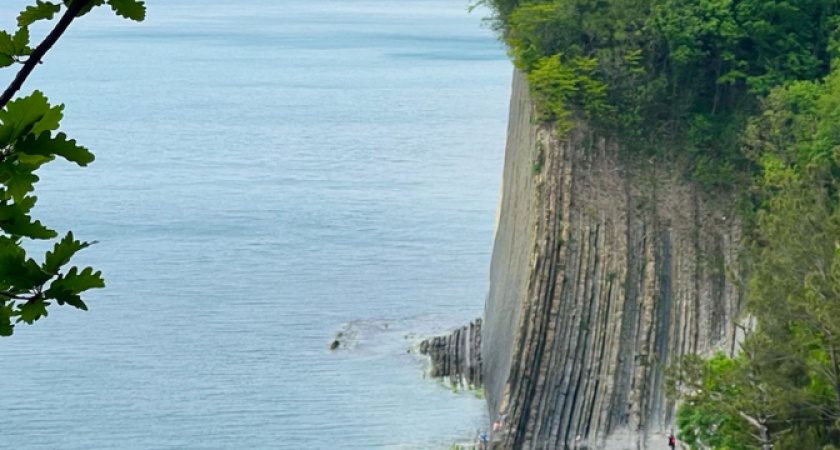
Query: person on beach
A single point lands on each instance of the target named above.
(482, 441)
(672, 441)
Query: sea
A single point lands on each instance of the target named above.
(270, 174)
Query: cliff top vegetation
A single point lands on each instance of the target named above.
(668, 74)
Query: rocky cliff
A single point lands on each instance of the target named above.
(456, 356)
(606, 267)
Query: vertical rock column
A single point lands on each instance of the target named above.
(457, 356)
(606, 268)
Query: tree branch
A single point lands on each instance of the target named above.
(73, 10)
(12, 296)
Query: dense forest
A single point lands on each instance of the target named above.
(744, 97)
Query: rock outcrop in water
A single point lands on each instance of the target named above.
(605, 269)
(456, 356)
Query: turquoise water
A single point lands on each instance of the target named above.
(268, 173)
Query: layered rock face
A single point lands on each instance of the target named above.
(456, 356)
(605, 269)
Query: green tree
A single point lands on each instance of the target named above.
(29, 138)
(676, 78)
(791, 359)
(783, 390)
(726, 403)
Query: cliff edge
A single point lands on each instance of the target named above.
(605, 268)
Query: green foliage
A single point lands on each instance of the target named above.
(787, 378)
(798, 133)
(27, 133)
(130, 9)
(671, 77)
(712, 397)
(792, 360)
(29, 138)
(46, 10)
(558, 85)
(41, 10)
(13, 47)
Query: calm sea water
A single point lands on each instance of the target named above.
(268, 173)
